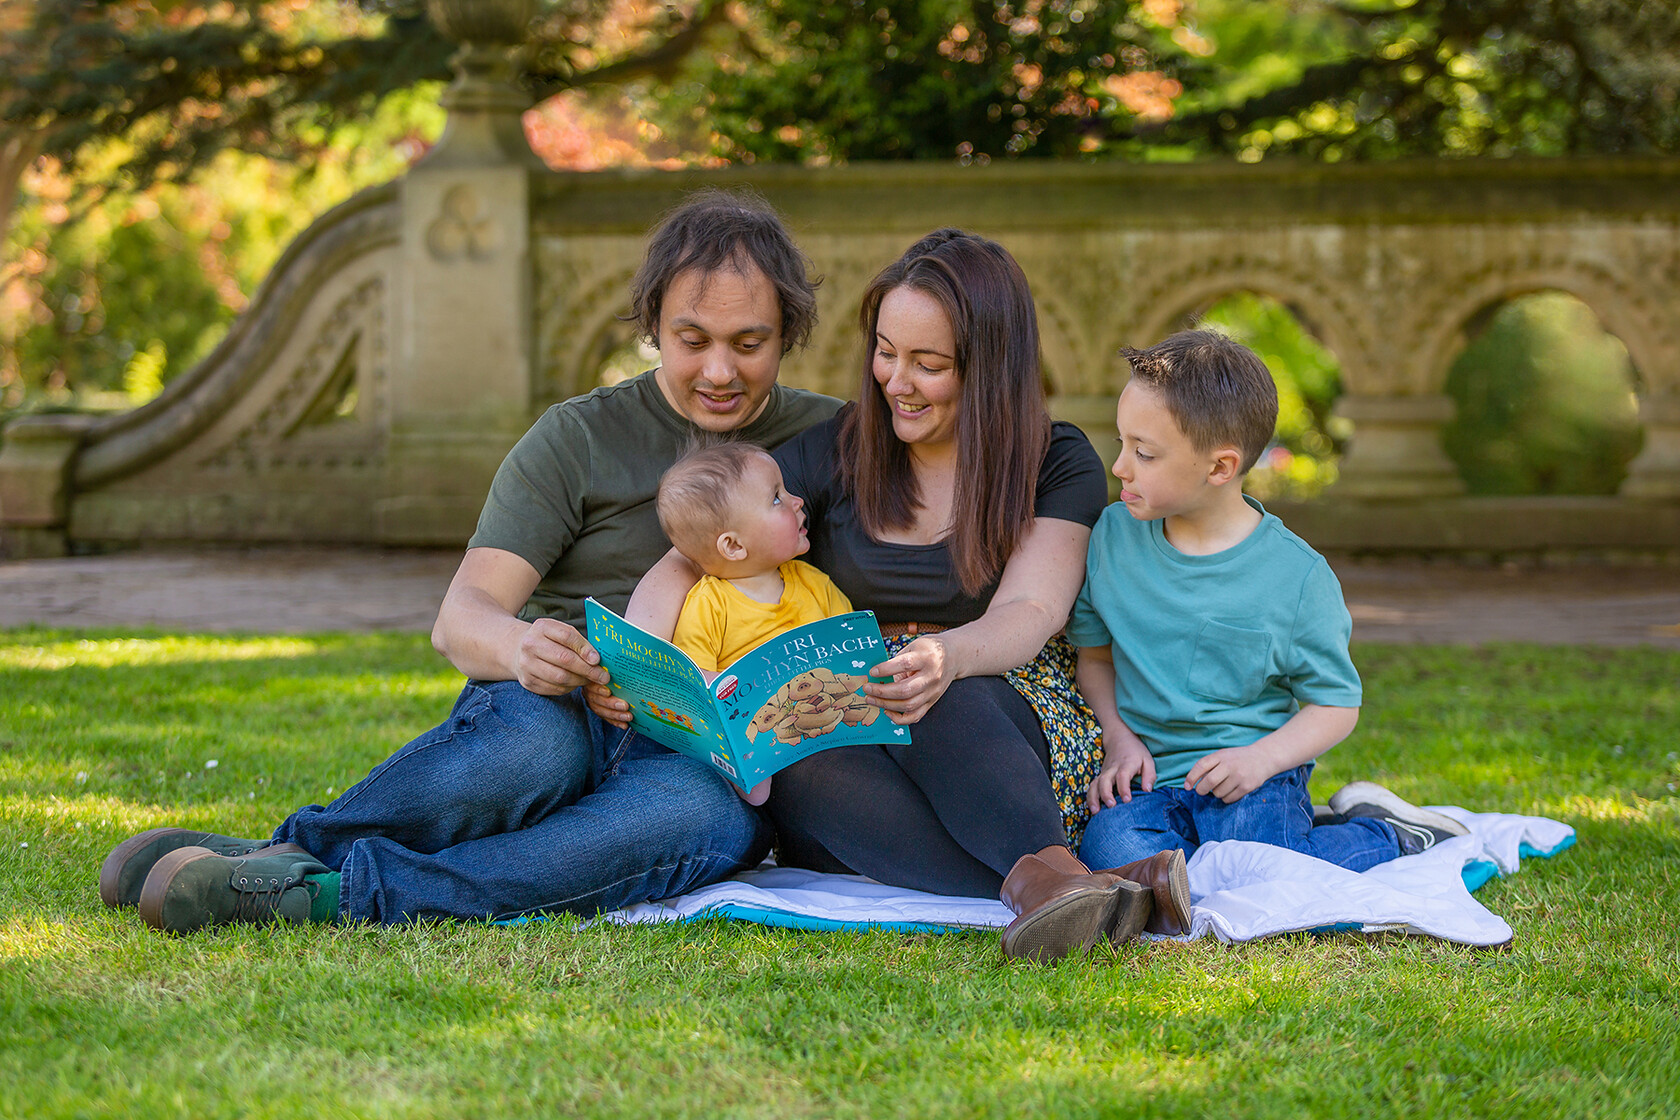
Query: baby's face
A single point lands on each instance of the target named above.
(769, 521)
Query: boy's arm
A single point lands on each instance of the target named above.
(1236, 771)
(1124, 755)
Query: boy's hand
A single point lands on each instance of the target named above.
(1124, 758)
(1229, 774)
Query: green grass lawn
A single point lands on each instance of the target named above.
(102, 735)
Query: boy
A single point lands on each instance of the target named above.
(1214, 641)
(725, 509)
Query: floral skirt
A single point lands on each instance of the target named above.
(1070, 727)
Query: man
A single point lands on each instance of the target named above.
(524, 801)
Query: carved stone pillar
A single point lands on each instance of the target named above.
(1395, 451)
(1093, 415)
(462, 389)
(35, 482)
(1655, 472)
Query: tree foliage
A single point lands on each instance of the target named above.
(902, 79)
(104, 100)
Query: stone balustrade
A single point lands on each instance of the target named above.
(406, 340)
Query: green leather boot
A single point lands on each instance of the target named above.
(126, 868)
(191, 888)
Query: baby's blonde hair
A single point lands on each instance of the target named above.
(697, 497)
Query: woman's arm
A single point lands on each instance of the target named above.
(1032, 602)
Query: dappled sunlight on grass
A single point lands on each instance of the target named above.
(1612, 810)
(723, 1019)
(108, 653)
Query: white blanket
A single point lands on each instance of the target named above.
(1240, 891)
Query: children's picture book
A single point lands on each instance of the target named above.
(795, 695)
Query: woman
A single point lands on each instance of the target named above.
(946, 501)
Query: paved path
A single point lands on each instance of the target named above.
(310, 589)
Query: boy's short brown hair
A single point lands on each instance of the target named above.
(1218, 390)
(697, 496)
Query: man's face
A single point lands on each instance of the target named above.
(720, 346)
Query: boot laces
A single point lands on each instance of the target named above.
(260, 895)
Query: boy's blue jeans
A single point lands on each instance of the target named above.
(1279, 812)
(520, 803)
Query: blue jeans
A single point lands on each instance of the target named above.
(1279, 812)
(519, 804)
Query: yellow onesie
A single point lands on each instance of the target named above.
(718, 623)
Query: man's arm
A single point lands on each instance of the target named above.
(479, 631)
(1231, 773)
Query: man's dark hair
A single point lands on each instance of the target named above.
(1218, 390)
(714, 230)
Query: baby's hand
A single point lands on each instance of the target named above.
(603, 703)
(1124, 758)
(1230, 774)
(757, 795)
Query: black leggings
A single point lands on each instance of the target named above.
(949, 814)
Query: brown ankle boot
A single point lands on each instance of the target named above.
(1164, 874)
(1062, 906)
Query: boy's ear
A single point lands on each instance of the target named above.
(729, 547)
(1227, 464)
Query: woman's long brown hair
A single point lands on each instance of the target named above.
(1003, 424)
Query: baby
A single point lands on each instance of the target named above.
(724, 507)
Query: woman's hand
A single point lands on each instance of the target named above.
(920, 674)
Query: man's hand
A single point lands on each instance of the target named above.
(1230, 774)
(554, 658)
(1124, 758)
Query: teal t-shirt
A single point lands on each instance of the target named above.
(1213, 651)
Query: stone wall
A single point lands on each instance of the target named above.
(405, 341)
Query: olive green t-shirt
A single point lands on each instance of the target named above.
(575, 496)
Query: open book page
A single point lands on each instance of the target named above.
(801, 692)
(668, 698)
(796, 694)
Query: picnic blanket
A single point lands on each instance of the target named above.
(1240, 891)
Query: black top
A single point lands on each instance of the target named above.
(915, 582)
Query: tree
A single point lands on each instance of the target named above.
(900, 79)
(180, 81)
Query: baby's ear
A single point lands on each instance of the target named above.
(729, 547)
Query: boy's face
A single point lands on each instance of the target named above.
(768, 521)
(1160, 471)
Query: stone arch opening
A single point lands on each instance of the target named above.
(619, 353)
(1308, 443)
(1546, 398)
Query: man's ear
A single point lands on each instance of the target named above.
(729, 547)
(1227, 464)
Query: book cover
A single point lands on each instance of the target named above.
(796, 694)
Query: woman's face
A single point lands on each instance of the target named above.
(915, 365)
